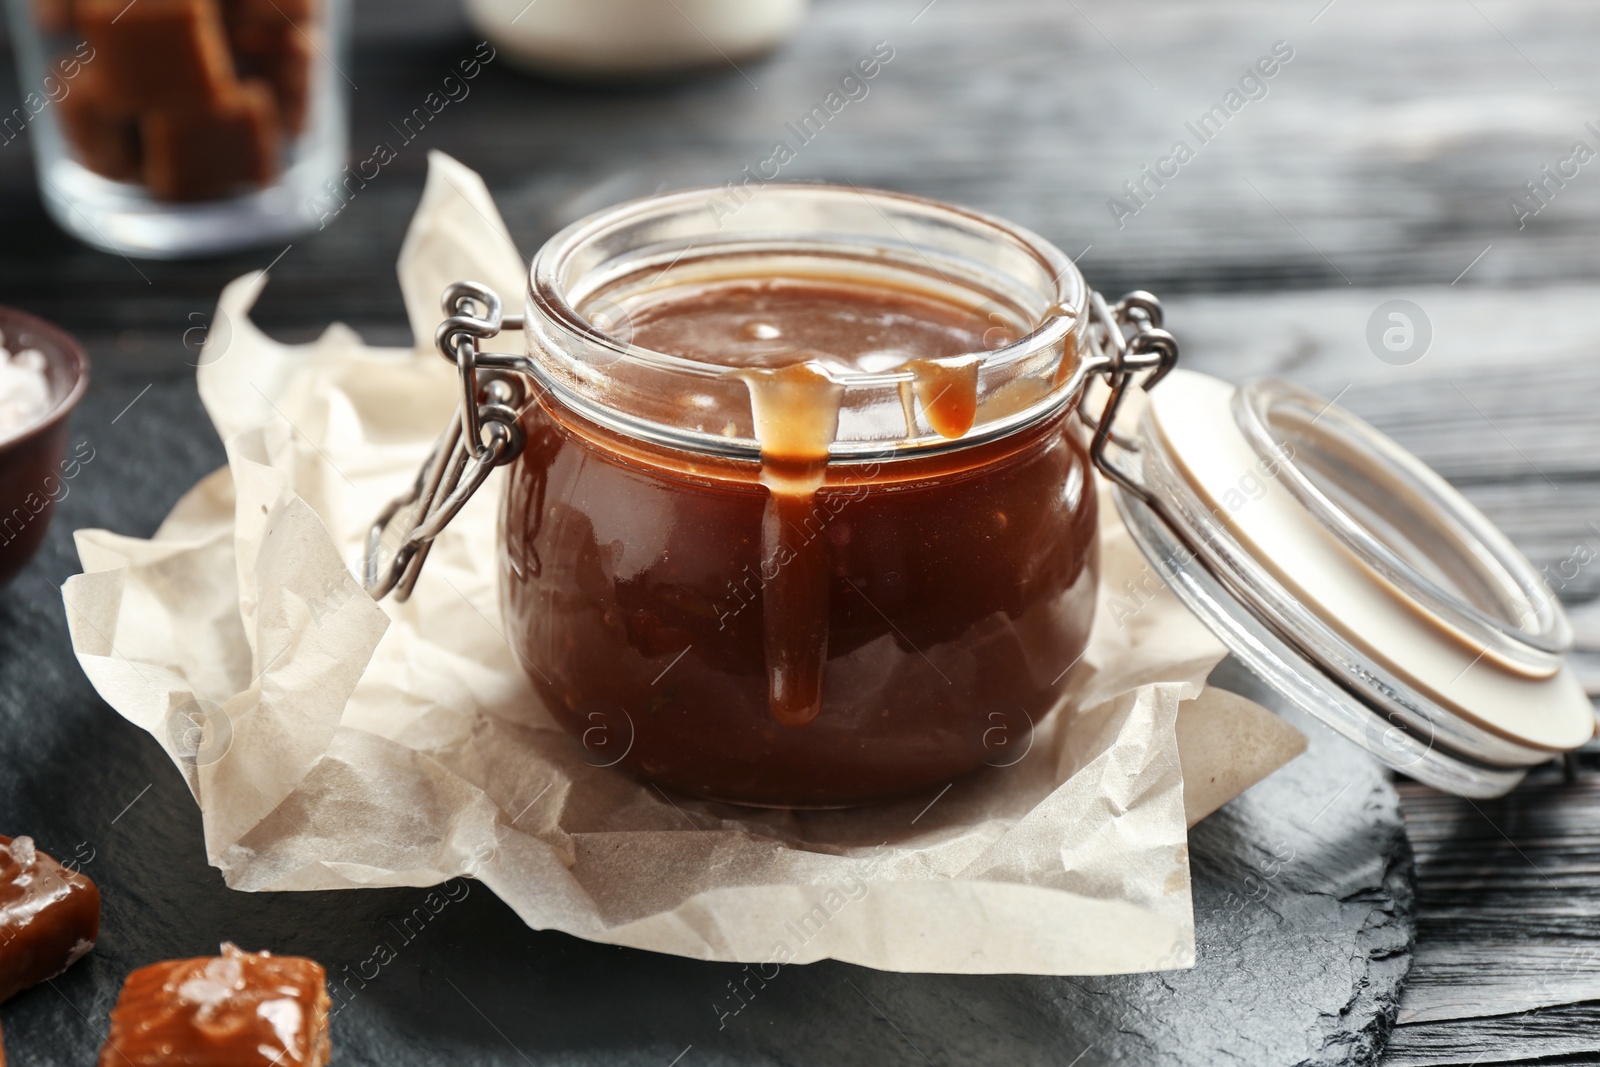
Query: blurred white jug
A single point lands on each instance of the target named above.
(632, 38)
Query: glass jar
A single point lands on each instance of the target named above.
(167, 128)
(876, 627)
(772, 559)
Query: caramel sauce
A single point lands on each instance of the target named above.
(788, 334)
(796, 411)
(947, 389)
(795, 631)
(777, 322)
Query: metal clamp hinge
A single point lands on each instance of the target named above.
(484, 433)
(1130, 348)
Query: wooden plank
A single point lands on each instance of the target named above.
(1383, 154)
(1564, 1036)
(1507, 967)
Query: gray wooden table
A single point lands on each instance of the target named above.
(1380, 161)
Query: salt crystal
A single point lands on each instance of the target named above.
(24, 390)
(284, 1016)
(23, 853)
(226, 970)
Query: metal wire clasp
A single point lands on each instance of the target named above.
(1130, 342)
(484, 433)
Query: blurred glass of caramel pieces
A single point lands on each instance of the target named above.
(194, 99)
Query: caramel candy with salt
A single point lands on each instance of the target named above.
(49, 916)
(239, 1009)
(160, 53)
(205, 154)
(103, 131)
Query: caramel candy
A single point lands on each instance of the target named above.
(103, 132)
(49, 916)
(269, 10)
(279, 52)
(160, 53)
(205, 154)
(53, 16)
(239, 1009)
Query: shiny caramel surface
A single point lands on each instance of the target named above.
(778, 321)
(49, 916)
(239, 1009)
(797, 631)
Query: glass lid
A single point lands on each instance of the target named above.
(1353, 579)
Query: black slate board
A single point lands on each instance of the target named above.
(1301, 892)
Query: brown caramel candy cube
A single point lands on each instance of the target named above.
(49, 916)
(53, 16)
(279, 52)
(269, 10)
(159, 53)
(202, 155)
(103, 132)
(239, 1009)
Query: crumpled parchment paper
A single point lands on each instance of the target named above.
(332, 742)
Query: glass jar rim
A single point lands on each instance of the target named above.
(988, 260)
(546, 292)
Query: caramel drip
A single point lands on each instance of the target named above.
(947, 388)
(1069, 348)
(908, 408)
(796, 412)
